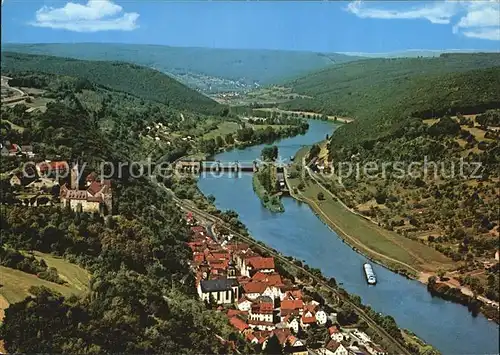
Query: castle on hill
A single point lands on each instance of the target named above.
(92, 195)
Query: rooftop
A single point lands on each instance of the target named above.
(217, 285)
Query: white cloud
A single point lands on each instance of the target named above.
(439, 12)
(476, 19)
(482, 20)
(96, 15)
(484, 33)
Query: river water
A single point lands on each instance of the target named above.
(299, 233)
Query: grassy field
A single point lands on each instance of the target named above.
(389, 248)
(76, 277)
(231, 128)
(223, 129)
(16, 283)
(14, 126)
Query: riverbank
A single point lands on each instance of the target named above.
(404, 256)
(298, 232)
(308, 114)
(269, 200)
(394, 251)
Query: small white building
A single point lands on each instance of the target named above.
(292, 323)
(321, 317)
(335, 334)
(244, 304)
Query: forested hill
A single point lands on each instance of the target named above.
(142, 82)
(246, 65)
(382, 93)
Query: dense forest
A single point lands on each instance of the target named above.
(142, 297)
(382, 93)
(142, 82)
(245, 65)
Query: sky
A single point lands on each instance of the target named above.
(326, 26)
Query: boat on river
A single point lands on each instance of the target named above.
(370, 275)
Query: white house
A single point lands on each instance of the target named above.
(333, 348)
(254, 290)
(262, 312)
(335, 334)
(244, 304)
(254, 264)
(321, 317)
(223, 291)
(292, 323)
(362, 336)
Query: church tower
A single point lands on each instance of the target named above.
(231, 270)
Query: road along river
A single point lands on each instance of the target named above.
(300, 233)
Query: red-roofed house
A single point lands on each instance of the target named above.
(292, 295)
(333, 348)
(235, 312)
(238, 323)
(335, 334)
(308, 318)
(262, 336)
(272, 280)
(288, 307)
(257, 263)
(261, 316)
(254, 289)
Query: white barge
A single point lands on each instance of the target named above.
(370, 275)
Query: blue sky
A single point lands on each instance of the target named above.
(355, 26)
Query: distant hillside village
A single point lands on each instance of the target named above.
(57, 182)
(261, 304)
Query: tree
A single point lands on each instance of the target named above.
(229, 139)
(273, 346)
(321, 196)
(208, 146)
(269, 153)
(219, 141)
(313, 152)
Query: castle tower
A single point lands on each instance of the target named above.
(75, 183)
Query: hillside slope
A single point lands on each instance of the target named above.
(381, 93)
(247, 66)
(145, 83)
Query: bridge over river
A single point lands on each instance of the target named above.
(195, 166)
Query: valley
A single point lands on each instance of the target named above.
(109, 111)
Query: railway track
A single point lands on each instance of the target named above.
(188, 206)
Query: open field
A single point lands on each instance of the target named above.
(223, 129)
(385, 246)
(16, 283)
(14, 126)
(77, 277)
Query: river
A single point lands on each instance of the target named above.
(299, 233)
